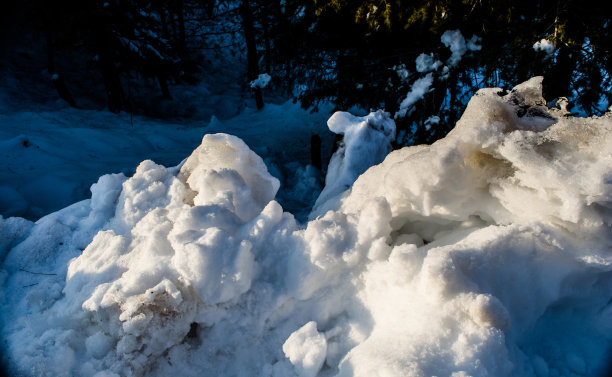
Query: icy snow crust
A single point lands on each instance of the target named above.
(487, 253)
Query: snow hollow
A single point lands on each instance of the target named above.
(488, 253)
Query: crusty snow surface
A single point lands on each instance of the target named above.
(488, 253)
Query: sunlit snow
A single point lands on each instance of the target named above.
(487, 253)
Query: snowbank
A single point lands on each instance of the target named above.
(486, 253)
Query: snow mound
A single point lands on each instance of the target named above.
(486, 253)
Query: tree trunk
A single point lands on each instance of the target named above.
(252, 59)
(50, 49)
(112, 84)
(264, 24)
(560, 76)
(58, 82)
(62, 89)
(163, 84)
(181, 20)
(211, 7)
(164, 21)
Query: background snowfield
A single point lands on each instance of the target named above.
(61, 153)
(487, 253)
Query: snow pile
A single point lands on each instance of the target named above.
(306, 348)
(501, 246)
(486, 253)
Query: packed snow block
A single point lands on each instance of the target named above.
(366, 142)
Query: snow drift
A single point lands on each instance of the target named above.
(488, 253)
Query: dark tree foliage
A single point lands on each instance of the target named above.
(350, 52)
(366, 41)
(125, 37)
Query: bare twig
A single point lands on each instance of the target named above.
(36, 273)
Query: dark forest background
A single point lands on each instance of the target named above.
(351, 53)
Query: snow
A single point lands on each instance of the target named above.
(485, 253)
(402, 72)
(261, 81)
(306, 349)
(426, 63)
(434, 119)
(419, 88)
(51, 158)
(473, 43)
(453, 39)
(366, 142)
(545, 46)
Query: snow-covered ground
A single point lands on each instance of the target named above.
(488, 253)
(50, 153)
(51, 158)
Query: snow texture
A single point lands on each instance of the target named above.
(261, 81)
(49, 159)
(487, 253)
(419, 88)
(473, 43)
(427, 63)
(544, 45)
(453, 39)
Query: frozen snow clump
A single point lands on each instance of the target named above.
(306, 349)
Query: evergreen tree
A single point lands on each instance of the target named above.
(373, 45)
